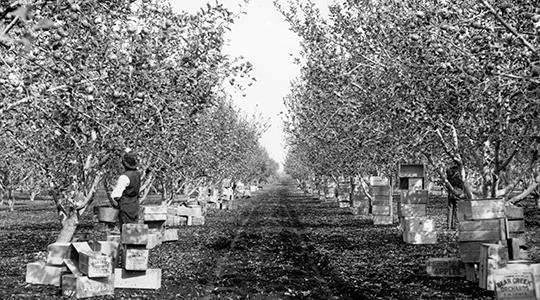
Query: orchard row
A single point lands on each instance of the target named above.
(439, 82)
(80, 81)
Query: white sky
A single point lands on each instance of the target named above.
(263, 37)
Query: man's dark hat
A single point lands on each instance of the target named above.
(129, 160)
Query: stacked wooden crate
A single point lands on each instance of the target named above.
(135, 272)
(492, 257)
(154, 216)
(344, 193)
(515, 225)
(382, 200)
(360, 202)
(518, 280)
(49, 272)
(417, 227)
(331, 188)
(481, 221)
(412, 209)
(91, 272)
(184, 215)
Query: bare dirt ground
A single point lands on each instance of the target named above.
(280, 244)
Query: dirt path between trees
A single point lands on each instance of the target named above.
(280, 244)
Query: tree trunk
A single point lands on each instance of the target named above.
(33, 195)
(69, 225)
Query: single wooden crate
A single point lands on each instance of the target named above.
(154, 239)
(379, 181)
(445, 267)
(57, 252)
(41, 273)
(383, 220)
(513, 212)
(381, 190)
(482, 230)
(516, 226)
(412, 210)
(471, 271)
(83, 287)
(381, 202)
(411, 170)
(421, 237)
(344, 204)
(109, 248)
(516, 281)
(381, 210)
(470, 251)
(135, 258)
(153, 212)
(197, 221)
(95, 264)
(414, 197)
(414, 184)
(416, 224)
(479, 209)
(492, 257)
(135, 234)
(170, 235)
(149, 279)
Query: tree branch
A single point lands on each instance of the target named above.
(509, 27)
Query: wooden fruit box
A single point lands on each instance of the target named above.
(412, 210)
(135, 234)
(482, 230)
(517, 281)
(381, 202)
(362, 210)
(149, 279)
(41, 273)
(421, 237)
(196, 221)
(57, 252)
(181, 210)
(170, 235)
(383, 220)
(344, 197)
(470, 251)
(414, 197)
(111, 249)
(516, 226)
(492, 257)
(514, 212)
(153, 212)
(344, 204)
(381, 190)
(83, 287)
(415, 184)
(479, 209)
(95, 264)
(379, 181)
(381, 210)
(417, 224)
(471, 271)
(154, 239)
(135, 258)
(113, 238)
(196, 210)
(445, 267)
(176, 221)
(411, 170)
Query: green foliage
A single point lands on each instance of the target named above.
(387, 81)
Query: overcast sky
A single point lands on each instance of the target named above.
(263, 37)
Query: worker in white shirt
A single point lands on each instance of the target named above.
(125, 194)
